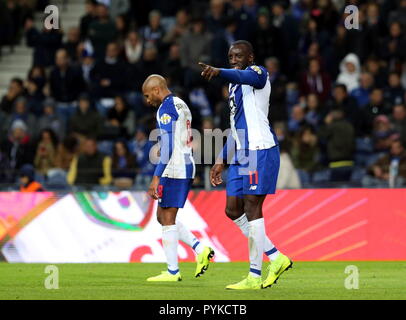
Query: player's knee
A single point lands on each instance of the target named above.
(233, 213)
(252, 209)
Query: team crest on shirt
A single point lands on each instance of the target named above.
(165, 118)
(256, 69)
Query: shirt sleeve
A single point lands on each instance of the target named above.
(167, 123)
(254, 76)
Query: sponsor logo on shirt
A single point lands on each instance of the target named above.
(165, 118)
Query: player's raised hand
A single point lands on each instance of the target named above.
(215, 174)
(153, 188)
(208, 71)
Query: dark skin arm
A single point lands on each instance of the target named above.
(215, 174)
(153, 188)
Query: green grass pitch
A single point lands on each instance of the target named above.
(306, 280)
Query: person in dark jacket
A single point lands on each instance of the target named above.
(123, 166)
(109, 75)
(85, 120)
(91, 167)
(15, 90)
(66, 82)
(101, 31)
(339, 139)
(45, 43)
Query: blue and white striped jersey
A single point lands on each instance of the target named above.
(249, 93)
(174, 121)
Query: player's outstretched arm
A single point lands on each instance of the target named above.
(254, 76)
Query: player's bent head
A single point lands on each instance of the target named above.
(154, 89)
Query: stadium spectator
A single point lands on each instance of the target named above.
(50, 120)
(66, 151)
(45, 43)
(194, 46)
(361, 94)
(172, 68)
(216, 16)
(304, 151)
(46, 151)
(15, 90)
(123, 166)
(374, 28)
(27, 179)
(288, 28)
(153, 33)
(90, 167)
(349, 72)
(278, 111)
(121, 119)
(297, 119)
(374, 66)
(109, 75)
(398, 121)
(393, 48)
(342, 101)
(375, 107)
(88, 18)
(149, 64)
(382, 134)
(71, 43)
(118, 8)
(85, 121)
(339, 139)
(178, 30)
(222, 111)
(101, 31)
(267, 38)
(245, 22)
(133, 47)
(314, 112)
(65, 83)
(6, 26)
(17, 148)
(393, 93)
(35, 85)
(141, 147)
(315, 81)
(122, 28)
(21, 113)
(86, 65)
(379, 172)
(288, 177)
(325, 15)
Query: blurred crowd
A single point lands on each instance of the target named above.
(79, 118)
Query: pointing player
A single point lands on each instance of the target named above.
(254, 172)
(173, 176)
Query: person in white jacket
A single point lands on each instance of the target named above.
(350, 71)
